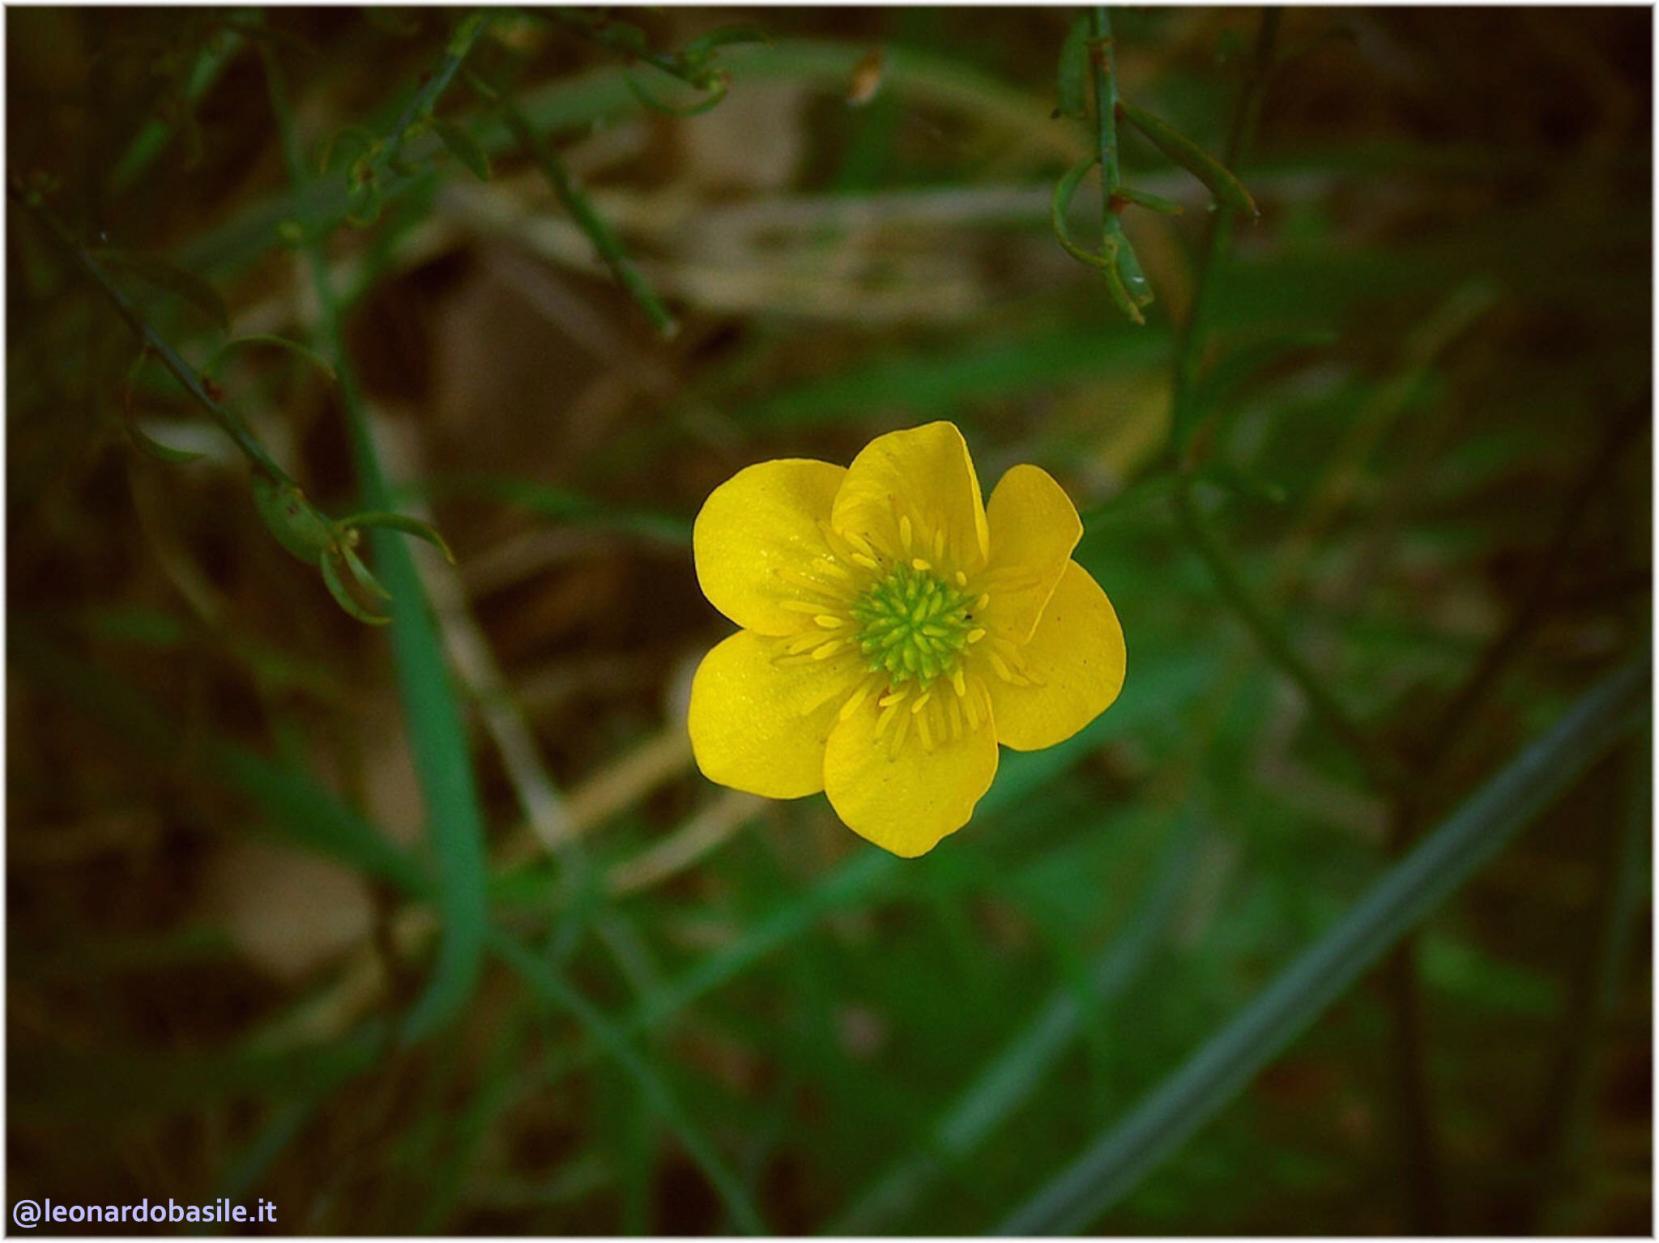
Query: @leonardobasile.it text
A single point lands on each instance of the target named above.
(28, 1214)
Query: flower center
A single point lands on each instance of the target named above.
(913, 625)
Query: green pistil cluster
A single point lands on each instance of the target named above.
(913, 625)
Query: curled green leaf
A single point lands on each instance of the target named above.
(1073, 76)
(1152, 202)
(1113, 263)
(717, 91)
(164, 275)
(302, 352)
(297, 524)
(141, 439)
(332, 560)
(154, 448)
(1229, 191)
(365, 141)
(399, 522)
(699, 49)
(361, 573)
(1127, 264)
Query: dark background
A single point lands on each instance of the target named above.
(1426, 391)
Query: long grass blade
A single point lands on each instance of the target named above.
(1133, 1147)
(1009, 1078)
(552, 989)
(437, 736)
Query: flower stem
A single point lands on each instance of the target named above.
(1103, 62)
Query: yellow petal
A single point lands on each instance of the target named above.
(924, 474)
(1076, 661)
(761, 521)
(1034, 527)
(906, 802)
(761, 726)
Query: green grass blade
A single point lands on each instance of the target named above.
(553, 990)
(1131, 1148)
(1010, 1077)
(437, 736)
(305, 813)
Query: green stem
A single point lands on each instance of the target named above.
(183, 372)
(424, 100)
(1401, 899)
(1121, 268)
(1273, 640)
(619, 39)
(437, 735)
(575, 201)
(1103, 63)
(1218, 233)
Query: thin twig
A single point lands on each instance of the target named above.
(425, 99)
(1380, 767)
(1218, 232)
(1400, 975)
(575, 201)
(151, 339)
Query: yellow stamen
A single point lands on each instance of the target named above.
(887, 714)
(854, 701)
(925, 734)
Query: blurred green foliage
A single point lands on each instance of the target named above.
(440, 930)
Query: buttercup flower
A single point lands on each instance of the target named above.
(895, 630)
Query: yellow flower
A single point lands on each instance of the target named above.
(895, 630)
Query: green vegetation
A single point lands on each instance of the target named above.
(1334, 323)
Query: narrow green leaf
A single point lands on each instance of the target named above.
(1060, 204)
(330, 562)
(308, 815)
(717, 91)
(1073, 75)
(1009, 1078)
(464, 147)
(1243, 483)
(147, 444)
(1150, 201)
(698, 50)
(401, 522)
(303, 352)
(554, 991)
(1406, 894)
(437, 735)
(1111, 265)
(1246, 362)
(168, 276)
(560, 505)
(361, 574)
(304, 812)
(1229, 191)
(1128, 264)
(363, 140)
